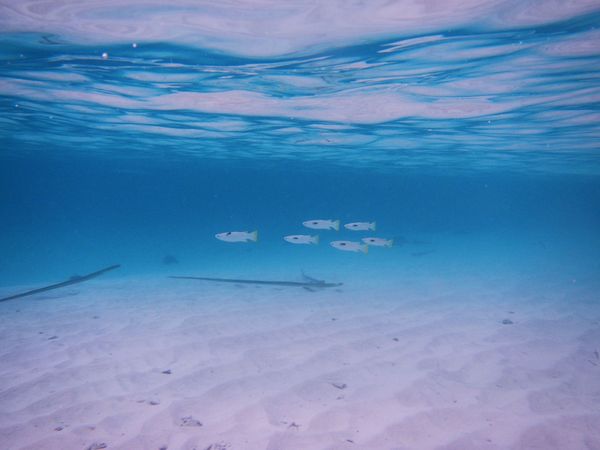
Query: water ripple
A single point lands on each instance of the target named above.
(394, 84)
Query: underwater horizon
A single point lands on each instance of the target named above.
(134, 132)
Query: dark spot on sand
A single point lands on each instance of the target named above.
(396, 339)
(294, 425)
(169, 260)
(507, 322)
(96, 317)
(218, 446)
(52, 338)
(59, 428)
(333, 318)
(97, 446)
(189, 421)
(154, 402)
(339, 385)
(164, 447)
(167, 372)
(350, 440)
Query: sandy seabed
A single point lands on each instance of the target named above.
(155, 364)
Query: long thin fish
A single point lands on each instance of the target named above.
(318, 284)
(69, 282)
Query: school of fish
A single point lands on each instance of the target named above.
(361, 246)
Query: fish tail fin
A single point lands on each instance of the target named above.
(390, 243)
(373, 225)
(336, 225)
(254, 235)
(315, 239)
(364, 248)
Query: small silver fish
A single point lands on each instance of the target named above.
(301, 239)
(238, 236)
(360, 226)
(350, 246)
(322, 224)
(378, 242)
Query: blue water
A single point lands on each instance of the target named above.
(64, 216)
(474, 146)
(134, 131)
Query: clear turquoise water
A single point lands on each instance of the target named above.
(133, 130)
(473, 143)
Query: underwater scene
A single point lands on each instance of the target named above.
(299, 225)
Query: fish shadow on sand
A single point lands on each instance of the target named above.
(310, 284)
(75, 279)
(169, 260)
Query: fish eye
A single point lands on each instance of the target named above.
(342, 243)
(228, 233)
(354, 225)
(295, 237)
(315, 223)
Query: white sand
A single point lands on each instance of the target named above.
(427, 365)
